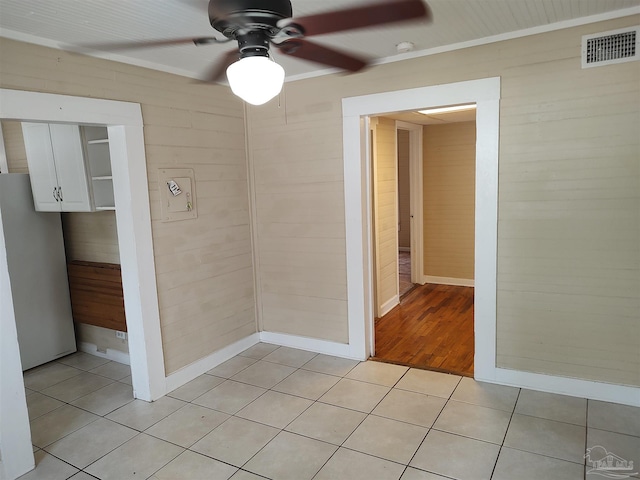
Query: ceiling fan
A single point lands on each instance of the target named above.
(258, 24)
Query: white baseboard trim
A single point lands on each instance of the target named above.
(459, 282)
(387, 306)
(574, 387)
(404, 249)
(194, 370)
(110, 354)
(309, 344)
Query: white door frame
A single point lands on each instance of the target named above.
(131, 193)
(485, 93)
(415, 199)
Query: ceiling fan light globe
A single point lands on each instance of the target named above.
(256, 80)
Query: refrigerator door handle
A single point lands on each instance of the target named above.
(60, 194)
(55, 193)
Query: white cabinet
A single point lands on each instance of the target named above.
(57, 167)
(70, 167)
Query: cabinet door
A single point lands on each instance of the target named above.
(42, 171)
(70, 167)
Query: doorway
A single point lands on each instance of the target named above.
(432, 326)
(124, 123)
(485, 93)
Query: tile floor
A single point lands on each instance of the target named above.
(281, 413)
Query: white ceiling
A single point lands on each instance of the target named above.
(62, 23)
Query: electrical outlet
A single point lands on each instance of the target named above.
(121, 335)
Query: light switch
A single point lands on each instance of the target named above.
(179, 198)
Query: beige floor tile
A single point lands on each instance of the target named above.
(244, 475)
(193, 466)
(229, 397)
(514, 464)
(263, 374)
(430, 383)
(196, 387)
(140, 415)
(232, 366)
(139, 458)
(347, 464)
(187, 425)
(56, 424)
(626, 447)
(83, 361)
(39, 404)
(88, 444)
(259, 350)
(415, 474)
(377, 372)
(113, 370)
(275, 409)
(456, 457)
(354, 394)
(614, 417)
(388, 439)
(330, 365)
(486, 394)
(126, 380)
(82, 476)
(76, 387)
(291, 457)
(107, 399)
(547, 437)
(473, 421)
(49, 468)
(307, 384)
(410, 407)
(551, 406)
(47, 375)
(292, 357)
(327, 423)
(235, 441)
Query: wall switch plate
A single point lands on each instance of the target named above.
(121, 335)
(177, 189)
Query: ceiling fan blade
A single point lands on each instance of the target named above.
(218, 71)
(300, 48)
(380, 13)
(147, 44)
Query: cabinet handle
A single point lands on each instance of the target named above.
(55, 193)
(60, 194)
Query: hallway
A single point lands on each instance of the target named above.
(432, 328)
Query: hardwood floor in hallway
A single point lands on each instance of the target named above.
(432, 328)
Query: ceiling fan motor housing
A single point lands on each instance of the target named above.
(234, 18)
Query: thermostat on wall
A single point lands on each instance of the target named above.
(177, 194)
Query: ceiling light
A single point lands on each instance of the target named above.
(255, 79)
(455, 108)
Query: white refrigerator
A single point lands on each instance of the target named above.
(37, 274)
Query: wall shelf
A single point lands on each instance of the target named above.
(99, 162)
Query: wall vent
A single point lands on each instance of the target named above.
(606, 48)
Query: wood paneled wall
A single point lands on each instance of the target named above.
(404, 190)
(204, 267)
(569, 227)
(14, 146)
(385, 211)
(449, 168)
